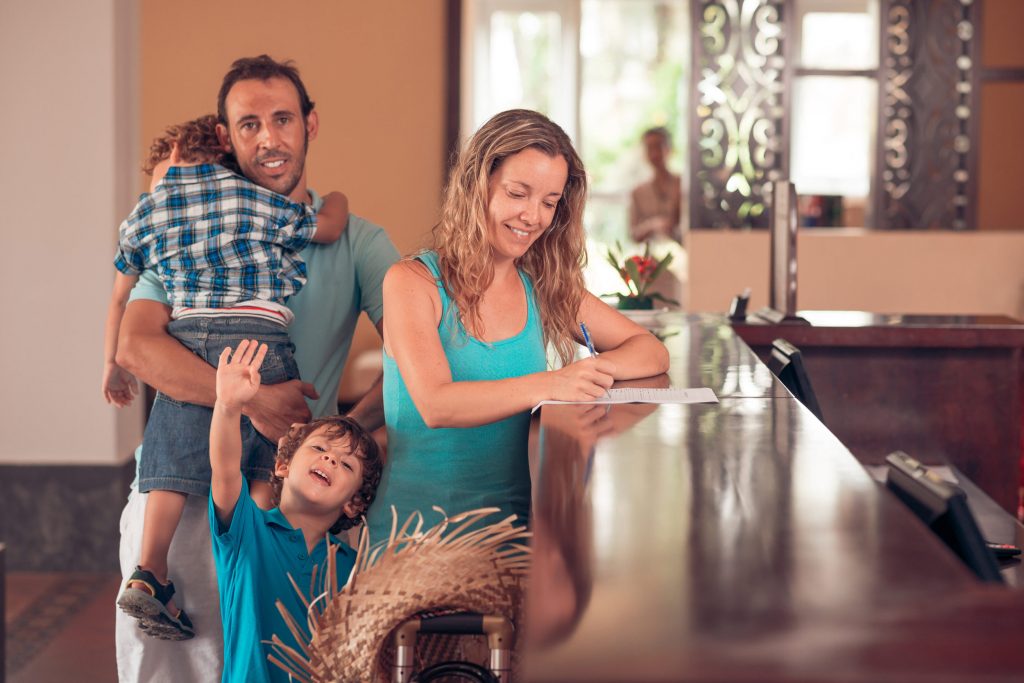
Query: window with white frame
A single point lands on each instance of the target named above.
(834, 109)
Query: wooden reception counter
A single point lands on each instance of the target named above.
(942, 388)
(740, 541)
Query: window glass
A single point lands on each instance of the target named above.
(523, 61)
(837, 34)
(832, 140)
(838, 40)
(634, 57)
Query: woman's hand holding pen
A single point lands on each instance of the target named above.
(583, 380)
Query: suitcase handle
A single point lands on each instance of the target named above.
(499, 631)
(463, 623)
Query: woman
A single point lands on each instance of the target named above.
(468, 323)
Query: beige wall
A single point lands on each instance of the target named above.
(375, 70)
(67, 128)
(882, 272)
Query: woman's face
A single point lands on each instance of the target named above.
(524, 193)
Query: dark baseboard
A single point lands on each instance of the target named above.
(62, 517)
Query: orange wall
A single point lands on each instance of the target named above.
(374, 68)
(1001, 24)
(1001, 138)
(1001, 156)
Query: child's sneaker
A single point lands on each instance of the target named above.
(149, 606)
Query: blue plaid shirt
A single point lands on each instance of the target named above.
(216, 239)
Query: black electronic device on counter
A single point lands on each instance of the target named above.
(943, 507)
(738, 308)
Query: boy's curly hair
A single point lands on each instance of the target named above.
(362, 446)
(197, 143)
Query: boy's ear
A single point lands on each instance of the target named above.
(352, 509)
(281, 469)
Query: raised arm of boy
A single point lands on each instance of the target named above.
(332, 218)
(119, 385)
(238, 380)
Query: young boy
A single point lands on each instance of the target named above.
(325, 476)
(226, 251)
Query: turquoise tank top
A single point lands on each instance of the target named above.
(458, 469)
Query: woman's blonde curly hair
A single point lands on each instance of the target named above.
(554, 262)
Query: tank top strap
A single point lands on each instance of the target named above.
(531, 301)
(429, 259)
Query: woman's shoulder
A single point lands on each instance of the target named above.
(412, 272)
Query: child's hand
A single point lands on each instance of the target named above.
(119, 385)
(238, 379)
(336, 201)
(332, 218)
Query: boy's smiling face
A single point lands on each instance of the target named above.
(323, 475)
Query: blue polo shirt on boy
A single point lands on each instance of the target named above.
(254, 556)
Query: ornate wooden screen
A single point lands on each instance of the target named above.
(925, 168)
(738, 121)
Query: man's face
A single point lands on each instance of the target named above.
(268, 135)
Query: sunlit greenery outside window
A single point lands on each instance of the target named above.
(605, 70)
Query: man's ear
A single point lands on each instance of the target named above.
(312, 125)
(224, 138)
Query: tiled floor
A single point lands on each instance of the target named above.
(60, 627)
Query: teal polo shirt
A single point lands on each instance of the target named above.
(254, 556)
(346, 279)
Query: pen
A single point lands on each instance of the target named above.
(590, 347)
(586, 338)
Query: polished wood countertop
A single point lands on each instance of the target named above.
(739, 541)
(858, 328)
(933, 386)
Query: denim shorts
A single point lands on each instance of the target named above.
(176, 445)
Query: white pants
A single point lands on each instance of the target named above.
(144, 659)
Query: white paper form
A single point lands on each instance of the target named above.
(637, 395)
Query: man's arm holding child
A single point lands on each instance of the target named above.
(238, 380)
(332, 218)
(119, 386)
(369, 410)
(147, 351)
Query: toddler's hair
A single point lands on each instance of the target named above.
(362, 446)
(197, 143)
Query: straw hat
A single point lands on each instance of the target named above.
(460, 564)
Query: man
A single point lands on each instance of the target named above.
(266, 121)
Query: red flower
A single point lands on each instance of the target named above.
(644, 264)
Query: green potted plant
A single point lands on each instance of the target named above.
(638, 272)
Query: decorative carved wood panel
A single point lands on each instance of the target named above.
(927, 100)
(738, 120)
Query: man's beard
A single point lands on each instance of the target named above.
(289, 182)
